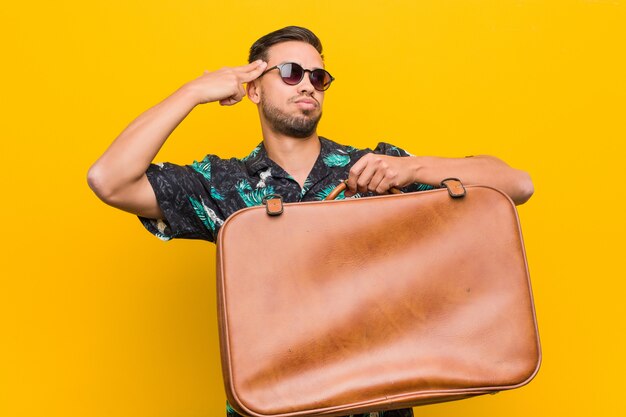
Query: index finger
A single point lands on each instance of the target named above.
(355, 171)
(252, 71)
(251, 66)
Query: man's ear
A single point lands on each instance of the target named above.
(252, 89)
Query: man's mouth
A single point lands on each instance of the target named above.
(307, 103)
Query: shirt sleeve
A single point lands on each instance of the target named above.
(391, 150)
(186, 198)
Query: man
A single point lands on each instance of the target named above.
(287, 81)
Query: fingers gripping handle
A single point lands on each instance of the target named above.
(454, 185)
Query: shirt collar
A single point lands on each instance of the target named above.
(258, 160)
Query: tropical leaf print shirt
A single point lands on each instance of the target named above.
(197, 198)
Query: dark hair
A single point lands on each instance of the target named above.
(290, 33)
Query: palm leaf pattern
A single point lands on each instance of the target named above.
(206, 215)
(336, 160)
(203, 167)
(424, 187)
(252, 197)
(216, 195)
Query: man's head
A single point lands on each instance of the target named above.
(293, 110)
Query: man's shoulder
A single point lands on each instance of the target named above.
(208, 167)
(331, 145)
(216, 162)
(382, 147)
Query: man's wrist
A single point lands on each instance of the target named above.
(188, 95)
(416, 166)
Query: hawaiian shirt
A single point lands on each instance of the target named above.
(197, 198)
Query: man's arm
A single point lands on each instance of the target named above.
(379, 173)
(119, 178)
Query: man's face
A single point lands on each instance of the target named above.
(293, 110)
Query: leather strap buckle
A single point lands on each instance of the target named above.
(455, 187)
(273, 204)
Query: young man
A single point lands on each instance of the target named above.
(287, 81)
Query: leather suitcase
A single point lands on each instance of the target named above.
(348, 306)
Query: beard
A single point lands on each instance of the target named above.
(300, 126)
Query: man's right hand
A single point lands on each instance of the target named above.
(226, 84)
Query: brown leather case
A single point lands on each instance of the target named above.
(342, 307)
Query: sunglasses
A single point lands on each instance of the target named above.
(292, 73)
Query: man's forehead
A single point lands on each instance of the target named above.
(295, 51)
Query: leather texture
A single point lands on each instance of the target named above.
(341, 307)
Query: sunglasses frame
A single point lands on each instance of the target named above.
(279, 67)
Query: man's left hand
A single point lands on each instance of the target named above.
(378, 173)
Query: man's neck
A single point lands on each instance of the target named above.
(295, 155)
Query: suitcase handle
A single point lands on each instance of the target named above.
(344, 184)
(454, 185)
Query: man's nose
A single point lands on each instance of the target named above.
(305, 85)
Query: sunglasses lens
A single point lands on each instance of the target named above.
(291, 73)
(320, 79)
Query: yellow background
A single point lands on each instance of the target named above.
(100, 318)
